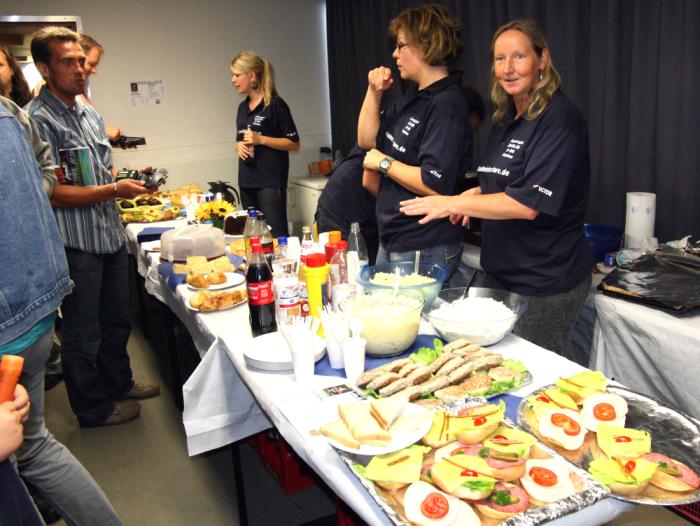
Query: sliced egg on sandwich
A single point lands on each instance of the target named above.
(547, 480)
(603, 408)
(562, 426)
(426, 505)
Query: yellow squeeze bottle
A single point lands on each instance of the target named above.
(316, 276)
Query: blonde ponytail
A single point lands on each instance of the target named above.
(268, 82)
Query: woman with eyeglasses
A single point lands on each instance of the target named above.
(421, 144)
(534, 180)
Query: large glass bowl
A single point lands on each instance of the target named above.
(430, 291)
(389, 327)
(484, 330)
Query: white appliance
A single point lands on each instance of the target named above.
(302, 198)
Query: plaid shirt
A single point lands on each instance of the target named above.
(93, 228)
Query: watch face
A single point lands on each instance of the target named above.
(384, 164)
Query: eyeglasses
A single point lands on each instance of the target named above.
(400, 46)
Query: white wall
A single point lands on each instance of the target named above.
(189, 45)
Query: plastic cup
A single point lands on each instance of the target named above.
(303, 360)
(354, 358)
(335, 352)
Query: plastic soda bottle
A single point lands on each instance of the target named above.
(261, 298)
(285, 281)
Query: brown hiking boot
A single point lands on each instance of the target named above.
(123, 412)
(140, 391)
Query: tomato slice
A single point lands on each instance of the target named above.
(604, 412)
(435, 506)
(543, 476)
(629, 467)
(469, 473)
(568, 424)
(543, 398)
(479, 420)
(499, 437)
(460, 451)
(622, 439)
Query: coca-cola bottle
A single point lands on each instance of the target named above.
(261, 298)
(266, 239)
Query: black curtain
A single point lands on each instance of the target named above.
(632, 67)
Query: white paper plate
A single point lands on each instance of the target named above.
(270, 352)
(187, 304)
(399, 442)
(233, 279)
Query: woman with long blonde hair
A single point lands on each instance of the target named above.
(266, 133)
(534, 180)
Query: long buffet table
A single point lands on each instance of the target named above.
(226, 401)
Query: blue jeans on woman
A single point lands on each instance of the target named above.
(95, 330)
(449, 256)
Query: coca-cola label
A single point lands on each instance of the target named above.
(268, 248)
(260, 293)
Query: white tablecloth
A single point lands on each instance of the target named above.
(223, 403)
(649, 350)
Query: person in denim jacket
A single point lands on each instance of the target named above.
(33, 283)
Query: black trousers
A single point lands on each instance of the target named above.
(272, 201)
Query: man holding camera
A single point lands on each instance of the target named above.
(96, 325)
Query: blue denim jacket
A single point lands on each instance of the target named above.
(34, 277)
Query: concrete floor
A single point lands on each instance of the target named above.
(144, 469)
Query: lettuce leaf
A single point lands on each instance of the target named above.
(480, 485)
(516, 365)
(426, 355)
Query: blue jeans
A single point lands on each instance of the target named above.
(47, 464)
(272, 201)
(95, 330)
(448, 256)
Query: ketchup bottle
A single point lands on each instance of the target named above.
(261, 297)
(10, 371)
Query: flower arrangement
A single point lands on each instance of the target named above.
(214, 211)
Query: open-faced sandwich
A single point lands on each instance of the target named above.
(672, 475)
(547, 480)
(623, 477)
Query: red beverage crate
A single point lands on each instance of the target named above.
(346, 516)
(691, 511)
(281, 460)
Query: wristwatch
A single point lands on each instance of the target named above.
(385, 164)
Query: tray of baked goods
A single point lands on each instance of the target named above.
(472, 467)
(446, 373)
(641, 449)
(145, 209)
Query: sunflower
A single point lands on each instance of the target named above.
(221, 208)
(203, 212)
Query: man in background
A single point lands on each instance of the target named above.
(95, 326)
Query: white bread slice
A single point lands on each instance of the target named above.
(387, 410)
(353, 413)
(368, 430)
(337, 431)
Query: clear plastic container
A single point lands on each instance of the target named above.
(194, 240)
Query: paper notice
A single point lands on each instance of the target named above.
(147, 93)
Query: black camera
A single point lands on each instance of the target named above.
(153, 177)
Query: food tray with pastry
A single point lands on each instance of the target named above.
(446, 373)
(377, 427)
(204, 301)
(214, 280)
(642, 450)
(475, 467)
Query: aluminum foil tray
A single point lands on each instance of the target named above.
(673, 433)
(591, 493)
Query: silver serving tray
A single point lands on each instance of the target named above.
(534, 515)
(673, 433)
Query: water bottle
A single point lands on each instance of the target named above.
(357, 252)
(340, 285)
(251, 149)
(285, 282)
(307, 247)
